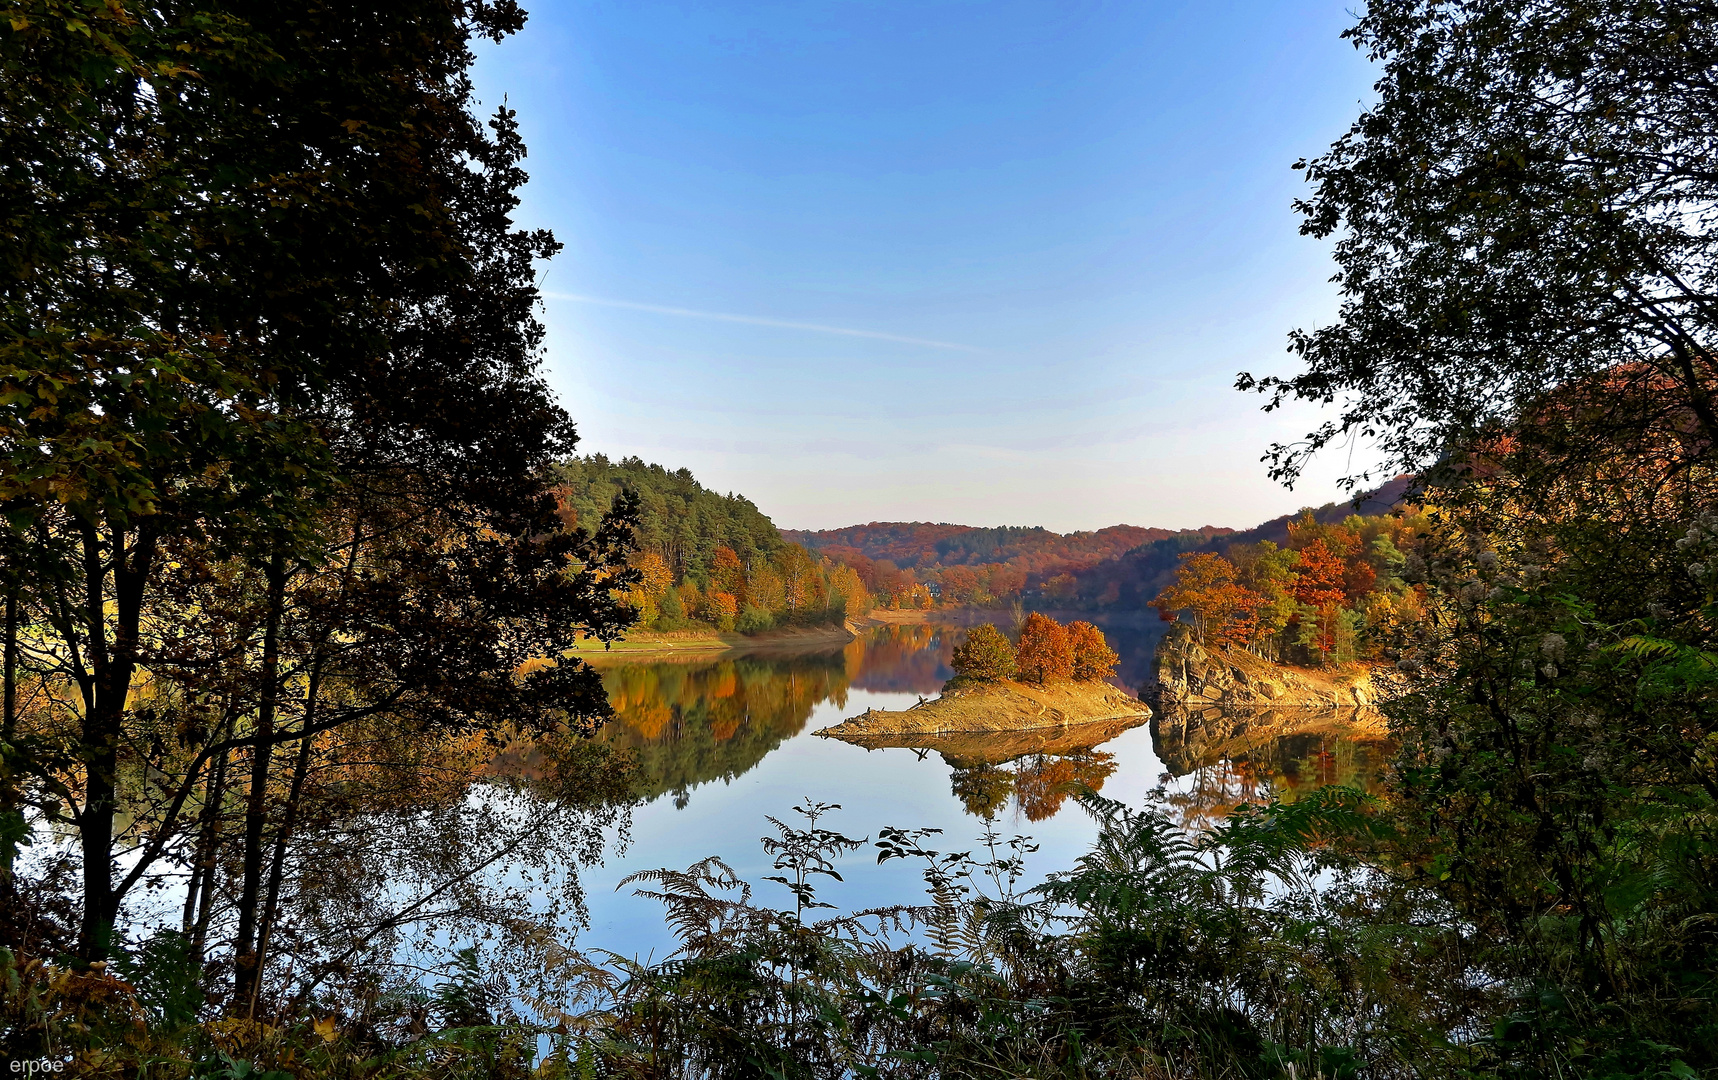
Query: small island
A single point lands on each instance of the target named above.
(1055, 678)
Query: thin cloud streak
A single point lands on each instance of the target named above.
(753, 320)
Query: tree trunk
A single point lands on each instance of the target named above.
(199, 892)
(112, 670)
(277, 864)
(11, 706)
(10, 789)
(211, 859)
(100, 746)
(246, 967)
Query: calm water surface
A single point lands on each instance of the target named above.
(726, 743)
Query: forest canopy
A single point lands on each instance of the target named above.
(1333, 593)
(703, 560)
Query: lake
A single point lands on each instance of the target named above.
(724, 741)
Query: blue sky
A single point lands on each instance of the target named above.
(991, 263)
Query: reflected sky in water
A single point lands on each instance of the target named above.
(725, 742)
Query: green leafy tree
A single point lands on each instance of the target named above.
(259, 261)
(1525, 209)
(986, 655)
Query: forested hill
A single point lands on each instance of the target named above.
(679, 519)
(924, 546)
(1133, 580)
(1120, 568)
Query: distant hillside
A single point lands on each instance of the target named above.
(1121, 568)
(967, 564)
(921, 545)
(1133, 580)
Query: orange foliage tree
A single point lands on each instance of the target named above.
(1094, 660)
(726, 573)
(960, 585)
(1205, 587)
(1005, 581)
(1323, 576)
(1045, 654)
(721, 608)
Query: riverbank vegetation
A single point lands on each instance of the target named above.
(284, 567)
(1334, 593)
(706, 562)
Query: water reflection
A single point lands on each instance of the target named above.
(909, 659)
(1038, 769)
(691, 720)
(1217, 760)
(749, 721)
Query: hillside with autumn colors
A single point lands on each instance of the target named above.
(1120, 568)
(1133, 580)
(972, 565)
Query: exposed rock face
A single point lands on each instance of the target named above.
(1210, 703)
(1188, 676)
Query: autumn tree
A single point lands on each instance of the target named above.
(1205, 587)
(1093, 659)
(1044, 653)
(800, 581)
(1005, 581)
(986, 655)
(1322, 577)
(960, 585)
(726, 573)
(655, 578)
(844, 582)
(1268, 572)
(720, 608)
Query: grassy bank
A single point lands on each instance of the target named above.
(657, 643)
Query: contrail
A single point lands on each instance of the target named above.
(754, 320)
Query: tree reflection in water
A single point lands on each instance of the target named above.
(1207, 781)
(1039, 783)
(689, 723)
(690, 720)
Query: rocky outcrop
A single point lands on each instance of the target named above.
(1189, 676)
(1212, 703)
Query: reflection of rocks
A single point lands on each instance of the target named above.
(1214, 703)
(1185, 739)
(1246, 729)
